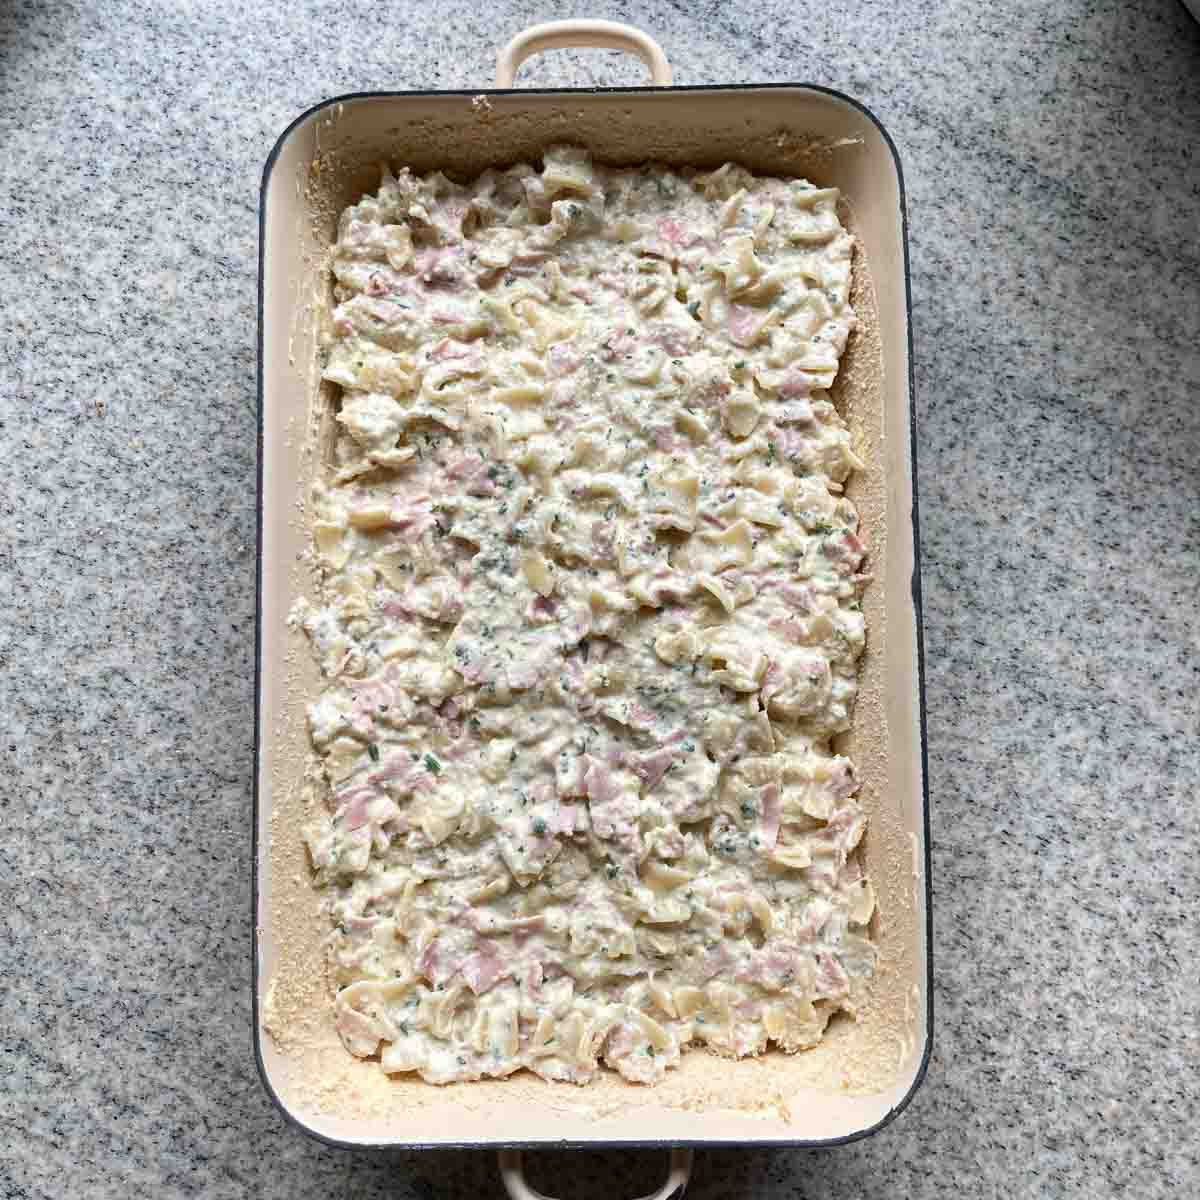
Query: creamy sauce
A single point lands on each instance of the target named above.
(589, 619)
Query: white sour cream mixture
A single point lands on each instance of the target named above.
(589, 618)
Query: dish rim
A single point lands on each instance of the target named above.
(918, 615)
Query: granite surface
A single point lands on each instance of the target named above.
(1054, 191)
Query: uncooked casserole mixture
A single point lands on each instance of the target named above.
(588, 619)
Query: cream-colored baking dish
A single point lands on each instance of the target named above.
(865, 1070)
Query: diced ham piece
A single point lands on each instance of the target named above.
(415, 526)
(353, 811)
(388, 679)
(362, 719)
(541, 792)
(396, 608)
(471, 669)
(670, 843)
(613, 812)
(411, 517)
(385, 283)
(541, 609)
(652, 767)
(743, 322)
(618, 344)
(773, 967)
(672, 231)
(676, 340)
(574, 678)
(771, 811)
(715, 961)
(712, 389)
(482, 969)
(372, 695)
(433, 963)
(367, 703)
(363, 806)
(796, 384)
(831, 979)
(619, 1042)
(481, 483)
(385, 811)
(452, 212)
(479, 920)
(400, 769)
(599, 784)
(533, 977)
(801, 597)
(845, 829)
(562, 359)
(794, 631)
(437, 268)
(665, 585)
(847, 551)
(388, 312)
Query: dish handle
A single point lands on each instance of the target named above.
(512, 1173)
(560, 35)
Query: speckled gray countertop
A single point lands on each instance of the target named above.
(1054, 191)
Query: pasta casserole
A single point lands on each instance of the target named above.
(588, 617)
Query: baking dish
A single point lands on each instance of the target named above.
(865, 1070)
